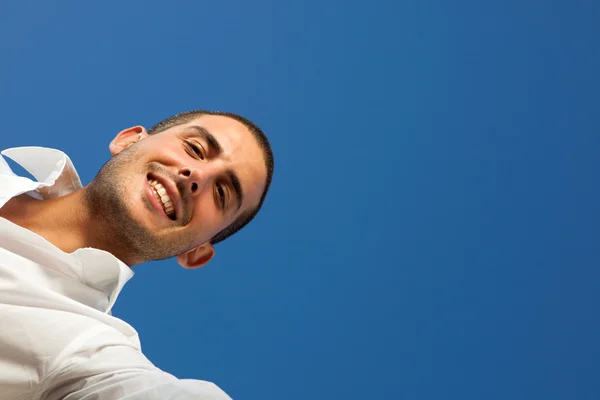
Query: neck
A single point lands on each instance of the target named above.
(64, 221)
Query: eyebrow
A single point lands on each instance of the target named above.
(217, 149)
(237, 187)
(210, 139)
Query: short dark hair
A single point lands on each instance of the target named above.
(263, 143)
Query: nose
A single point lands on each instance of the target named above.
(195, 178)
(191, 179)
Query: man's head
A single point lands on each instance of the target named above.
(186, 184)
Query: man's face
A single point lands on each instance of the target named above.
(171, 192)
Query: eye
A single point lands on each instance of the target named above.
(221, 193)
(196, 149)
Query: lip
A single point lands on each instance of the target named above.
(171, 191)
(152, 197)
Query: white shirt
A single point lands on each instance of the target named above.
(58, 339)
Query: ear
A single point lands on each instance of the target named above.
(196, 257)
(126, 138)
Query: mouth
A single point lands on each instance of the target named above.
(165, 196)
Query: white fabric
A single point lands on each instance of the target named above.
(58, 339)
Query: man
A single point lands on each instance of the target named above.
(66, 250)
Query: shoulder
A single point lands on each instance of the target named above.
(105, 364)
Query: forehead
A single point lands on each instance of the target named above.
(227, 131)
(241, 152)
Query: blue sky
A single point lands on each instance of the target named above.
(433, 226)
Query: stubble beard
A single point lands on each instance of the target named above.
(107, 198)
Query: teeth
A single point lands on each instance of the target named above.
(163, 197)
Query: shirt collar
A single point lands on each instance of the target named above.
(56, 176)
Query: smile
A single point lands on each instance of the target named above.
(163, 198)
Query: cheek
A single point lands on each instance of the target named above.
(207, 220)
(136, 195)
(205, 217)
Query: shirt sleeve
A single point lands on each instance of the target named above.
(106, 366)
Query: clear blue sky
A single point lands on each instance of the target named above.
(433, 226)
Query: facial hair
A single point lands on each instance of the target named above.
(107, 198)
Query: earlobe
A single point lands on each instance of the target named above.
(126, 138)
(196, 257)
